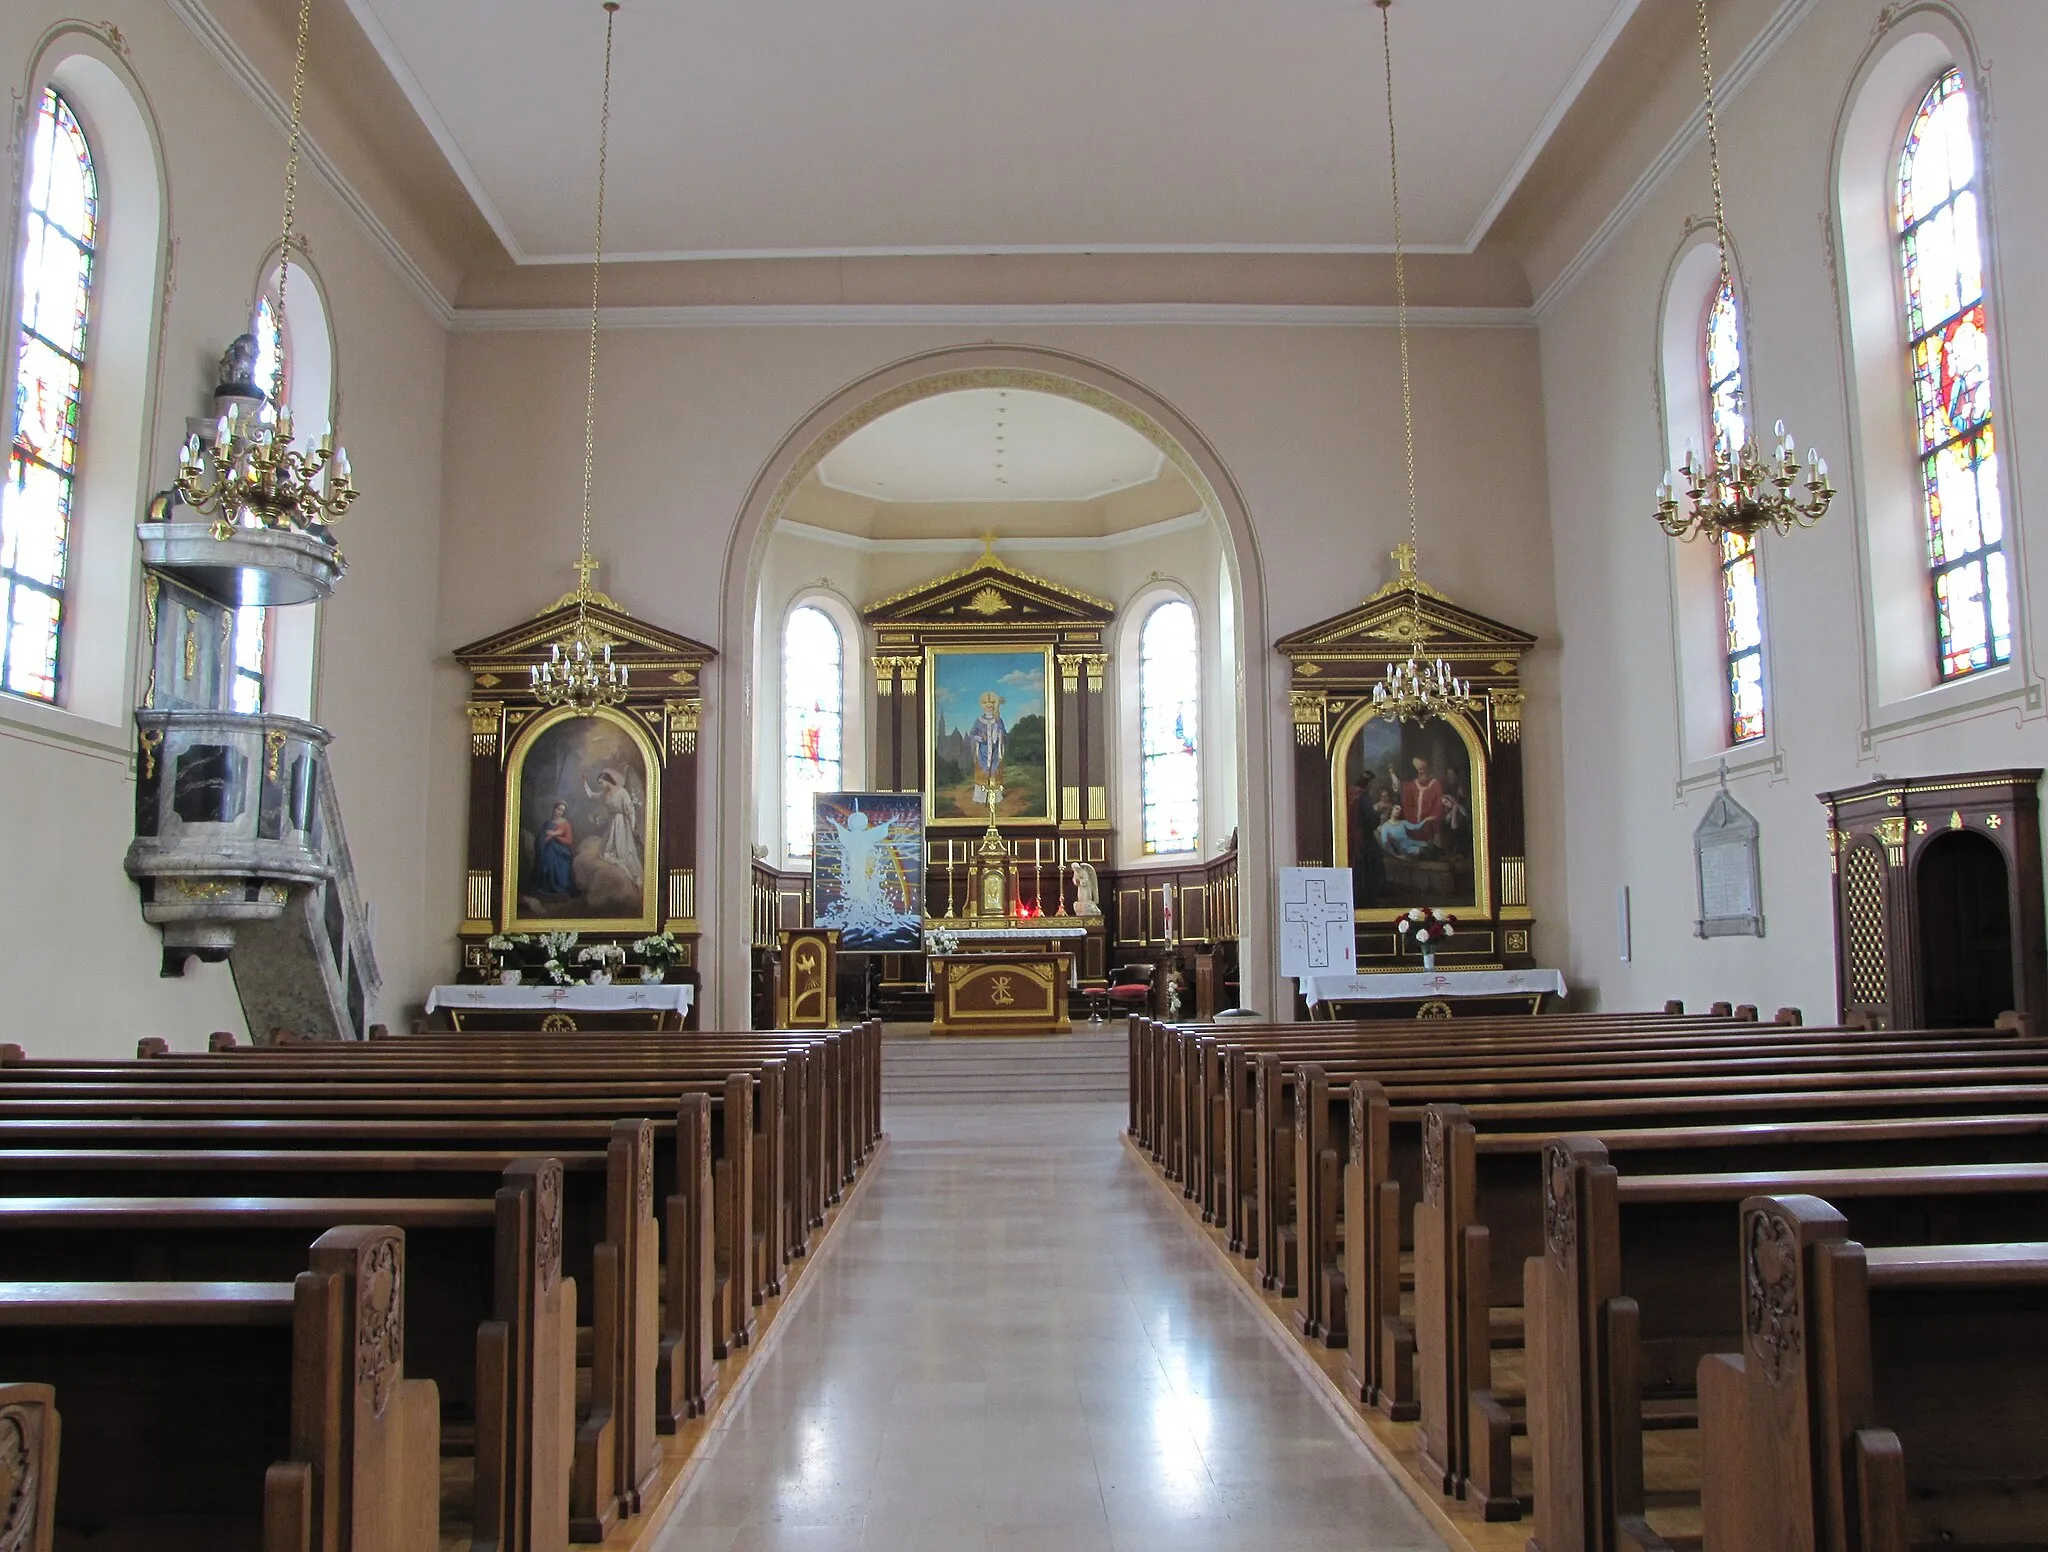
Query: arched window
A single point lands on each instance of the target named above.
(813, 719)
(1742, 613)
(42, 474)
(1169, 709)
(1941, 257)
(252, 621)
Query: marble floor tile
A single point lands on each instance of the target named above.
(1017, 1346)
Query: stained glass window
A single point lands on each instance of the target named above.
(1742, 611)
(42, 463)
(1941, 257)
(813, 719)
(1169, 706)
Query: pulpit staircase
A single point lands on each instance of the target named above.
(312, 969)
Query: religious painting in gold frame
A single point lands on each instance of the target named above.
(994, 698)
(1409, 815)
(582, 811)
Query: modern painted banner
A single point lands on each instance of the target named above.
(867, 870)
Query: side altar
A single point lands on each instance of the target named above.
(582, 840)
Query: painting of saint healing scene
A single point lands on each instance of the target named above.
(1409, 816)
(991, 735)
(867, 870)
(582, 814)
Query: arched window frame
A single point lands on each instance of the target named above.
(1697, 573)
(53, 315)
(1740, 575)
(1903, 690)
(101, 669)
(1960, 560)
(1166, 746)
(277, 650)
(795, 847)
(1126, 687)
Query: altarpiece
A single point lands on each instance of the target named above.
(1425, 814)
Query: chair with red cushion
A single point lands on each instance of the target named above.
(1130, 989)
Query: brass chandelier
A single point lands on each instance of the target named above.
(252, 476)
(1416, 690)
(1739, 494)
(579, 671)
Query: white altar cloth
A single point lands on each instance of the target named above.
(1405, 984)
(546, 999)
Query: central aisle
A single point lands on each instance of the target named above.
(1015, 1342)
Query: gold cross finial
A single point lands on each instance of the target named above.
(585, 565)
(988, 547)
(1404, 557)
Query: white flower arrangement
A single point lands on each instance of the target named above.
(659, 949)
(602, 954)
(1426, 926)
(506, 942)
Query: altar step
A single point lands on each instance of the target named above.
(1087, 1066)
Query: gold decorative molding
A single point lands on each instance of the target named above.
(1310, 708)
(482, 888)
(1507, 713)
(1516, 940)
(682, 897)
(1892, 833)
(1514, 881)
(1070, 672)
(485, 719)
(682, 718)
(1098, 805)
(990, 602)
(1070, 804)
(1097, 663)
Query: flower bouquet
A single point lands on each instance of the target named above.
(658, 954)
(506, 947)
(1425, 928)
(556, 966)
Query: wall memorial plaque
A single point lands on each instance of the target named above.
(1724, 850)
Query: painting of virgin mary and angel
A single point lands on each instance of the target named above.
(581, 813)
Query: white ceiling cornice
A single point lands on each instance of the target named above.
(242, 70)
(1728, 86)
(522, 320)
(1083, 544)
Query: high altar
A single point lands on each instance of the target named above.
(991, 702)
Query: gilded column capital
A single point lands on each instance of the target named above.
(682, 718)
(1507, 713)
(1310, 708)
(485, 720)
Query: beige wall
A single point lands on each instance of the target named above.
(1304, 420)
(1626, 823)
(81, 968)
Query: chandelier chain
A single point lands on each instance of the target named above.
(604, 134)
(1400, 267)
(1713, 148)
(291, 194)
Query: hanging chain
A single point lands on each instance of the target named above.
(604, 134)
(1400, 292)
(1714, 151)
(291, 198)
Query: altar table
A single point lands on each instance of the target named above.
(1430, 994)
(567, 1009)
(1014, 992)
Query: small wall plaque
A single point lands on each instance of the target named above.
(1724, 852)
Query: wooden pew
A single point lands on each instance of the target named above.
(1633, 1290)
(1883, 1398)
(213, 1415)
(1481, 1216)
(30, 1439)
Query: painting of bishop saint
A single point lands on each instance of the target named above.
(582, 824)
(991, 739)
(1409, 816)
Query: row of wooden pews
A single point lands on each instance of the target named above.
(427, 1292)
(1620, 1270)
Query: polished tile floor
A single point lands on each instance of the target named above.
(1015, 1344)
